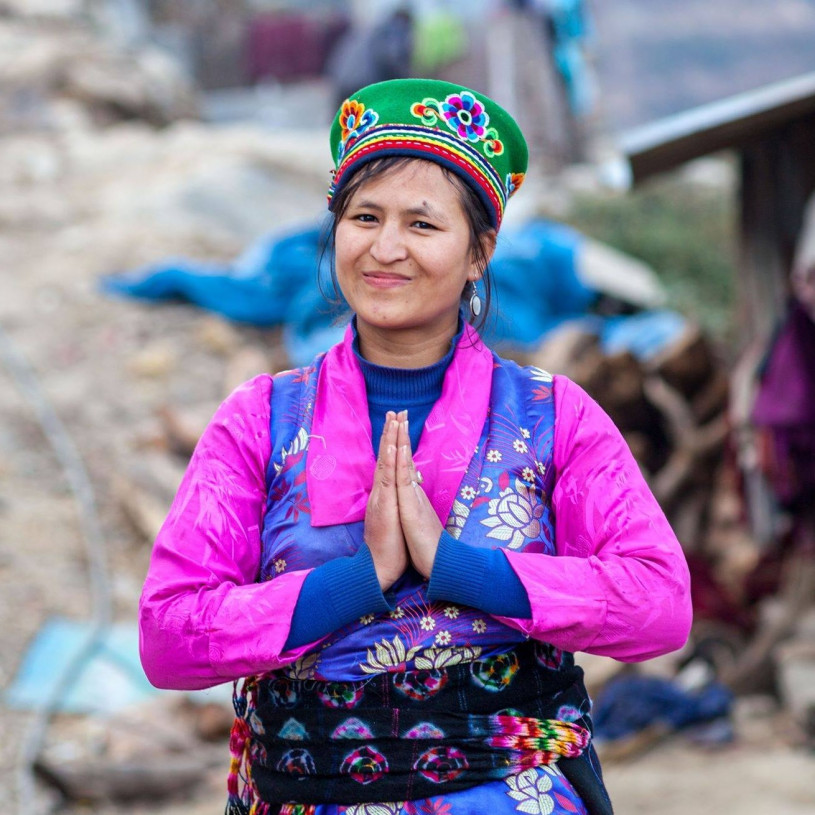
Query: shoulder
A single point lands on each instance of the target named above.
(247, 409)
(583, 428)
(574, 405)
(250, 395)
(522, 373)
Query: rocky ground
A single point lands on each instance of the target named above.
(79, 200)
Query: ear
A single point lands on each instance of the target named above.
(488, 241)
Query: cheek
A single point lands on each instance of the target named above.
(345, 252)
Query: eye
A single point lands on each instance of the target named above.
(423, 225)
(364, 217)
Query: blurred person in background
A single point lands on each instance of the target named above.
(366, 54)
(395, 551)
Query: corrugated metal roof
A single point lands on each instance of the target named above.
(664, 144)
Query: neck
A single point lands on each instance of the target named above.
(408, 348)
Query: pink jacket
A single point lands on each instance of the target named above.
(619, 586)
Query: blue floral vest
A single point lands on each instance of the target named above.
(503, 500)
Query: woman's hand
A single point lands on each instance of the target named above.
(420, 524)
(383, 530)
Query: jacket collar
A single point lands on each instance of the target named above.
(341, 458)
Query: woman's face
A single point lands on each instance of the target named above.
(403, 250)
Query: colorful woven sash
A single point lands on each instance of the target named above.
(402, 736)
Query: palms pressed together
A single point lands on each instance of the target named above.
(401, 526)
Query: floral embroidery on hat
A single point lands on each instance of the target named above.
(513, 183)
(355, 119)
(465, 116)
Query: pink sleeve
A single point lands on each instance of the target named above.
(619, 585)
(203, 619)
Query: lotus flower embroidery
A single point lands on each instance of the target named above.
(387, 656)
(515, 515)
(531, 790)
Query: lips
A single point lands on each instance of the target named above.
(385, 280)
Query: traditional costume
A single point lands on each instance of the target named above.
(429, 698)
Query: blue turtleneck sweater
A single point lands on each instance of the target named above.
(415, 390)
(344, 589)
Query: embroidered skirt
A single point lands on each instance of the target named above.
(426, 741)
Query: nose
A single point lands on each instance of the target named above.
(388, 245)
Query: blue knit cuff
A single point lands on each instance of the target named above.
(459, 572)
(480, 578)
(335, 594)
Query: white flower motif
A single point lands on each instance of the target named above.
(520, 445)
(541, 467)
(457, 519)
(300, 443)
(397, 613)
(366, 619)
(539, 375)
(528, 475)
(303, 668)
(427, 623)
(531, 790)
(279, 565)
(389, 654)
(494, 456)
(515, 515)
(525, 433)
(393, 808)
(443, 638)
(451, 612)
(479, 626)
(467, 493)
(432, 658)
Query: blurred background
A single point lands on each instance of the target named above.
(163, 170)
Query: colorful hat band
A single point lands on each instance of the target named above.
(429, 143)
(455, 127)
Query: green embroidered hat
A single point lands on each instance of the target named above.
(456, 127)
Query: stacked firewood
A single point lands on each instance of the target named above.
(671, 408)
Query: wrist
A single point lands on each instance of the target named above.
(387, 573)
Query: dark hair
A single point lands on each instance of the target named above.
(475, 212)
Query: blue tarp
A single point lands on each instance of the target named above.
(92, 671)
(274, 282)
(632, 703)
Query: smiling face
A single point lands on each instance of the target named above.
(403, 253)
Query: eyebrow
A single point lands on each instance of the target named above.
(423, 209)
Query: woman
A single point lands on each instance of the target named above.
(400, 546)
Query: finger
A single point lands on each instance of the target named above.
(403, 475)
(407, 479)
(403, 440)
(390, 417)
(386, 463)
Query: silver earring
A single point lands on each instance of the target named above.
(475, 302)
